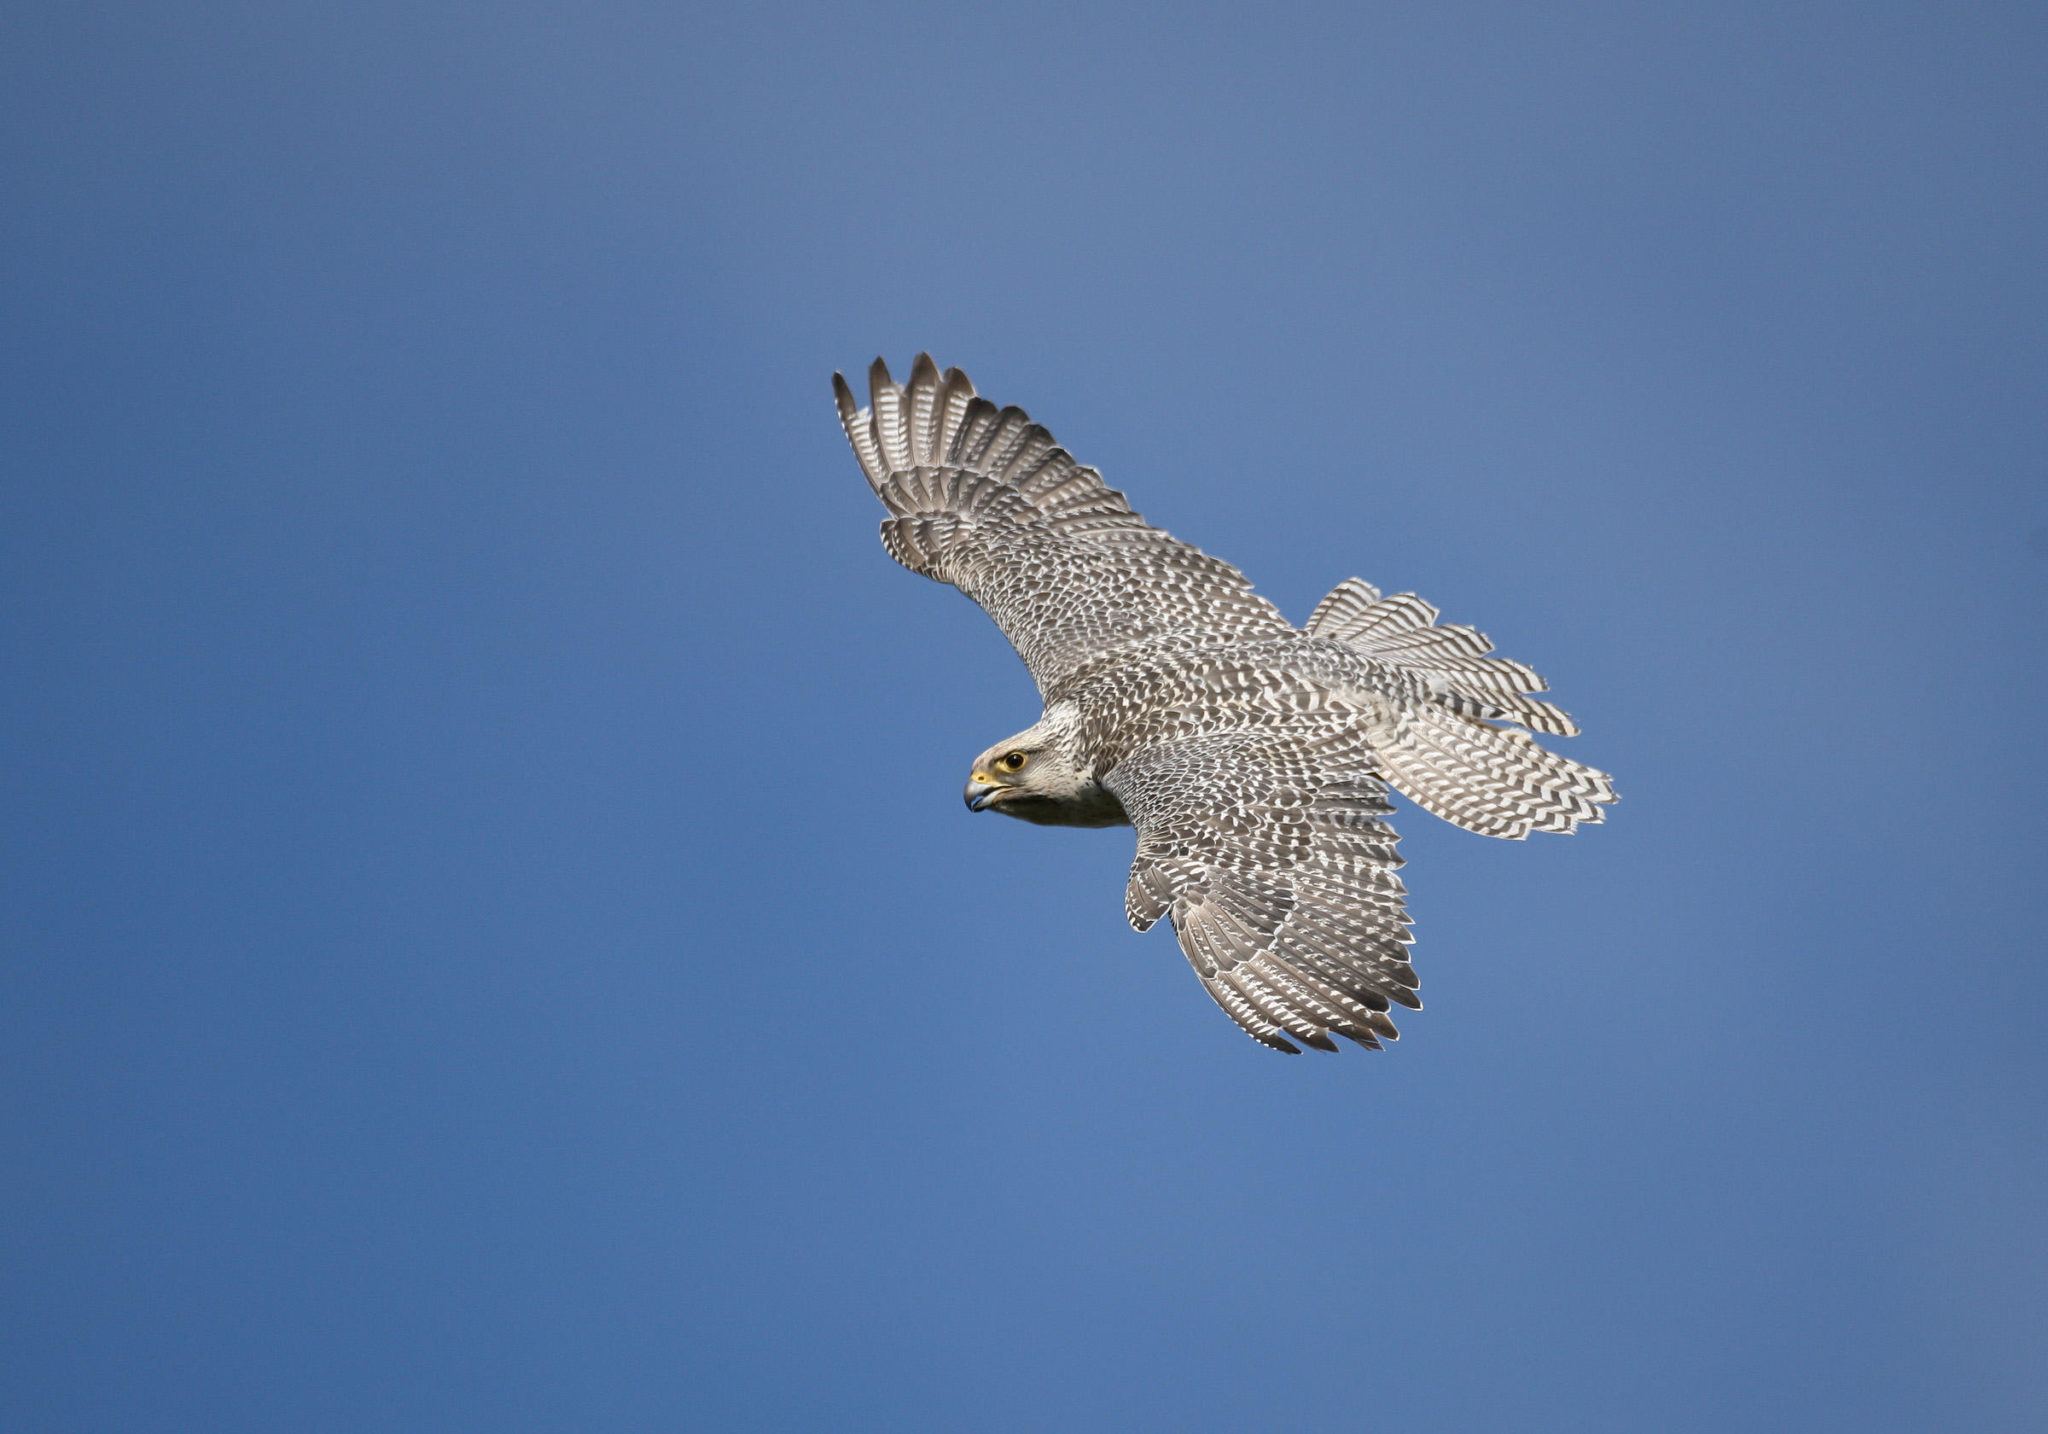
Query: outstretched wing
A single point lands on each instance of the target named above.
(982, 498)
(1267, 851)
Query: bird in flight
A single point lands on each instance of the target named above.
(1253, 757)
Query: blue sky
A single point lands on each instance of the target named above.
(491, 938)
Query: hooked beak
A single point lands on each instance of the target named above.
(981, 792)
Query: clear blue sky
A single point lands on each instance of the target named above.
(491, 938)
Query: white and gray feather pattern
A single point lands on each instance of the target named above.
(1253, 757)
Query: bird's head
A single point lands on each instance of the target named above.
(1033, 777)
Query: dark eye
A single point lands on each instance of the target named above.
(1012, 761)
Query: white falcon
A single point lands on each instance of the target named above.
(1253, 757)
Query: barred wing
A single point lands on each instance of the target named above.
(982, 498)
(1267, 851)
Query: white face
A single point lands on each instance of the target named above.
(1012, 776)
(1030, 778)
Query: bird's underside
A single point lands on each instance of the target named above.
(1253, 757)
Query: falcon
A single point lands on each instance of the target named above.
(1253, 757)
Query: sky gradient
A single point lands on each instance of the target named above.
(491, 937)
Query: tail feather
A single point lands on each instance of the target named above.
(1450, 661)
(1345, 602)
(1438, 741)
(1486, 779)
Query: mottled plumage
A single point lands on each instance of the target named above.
(1252, 757)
